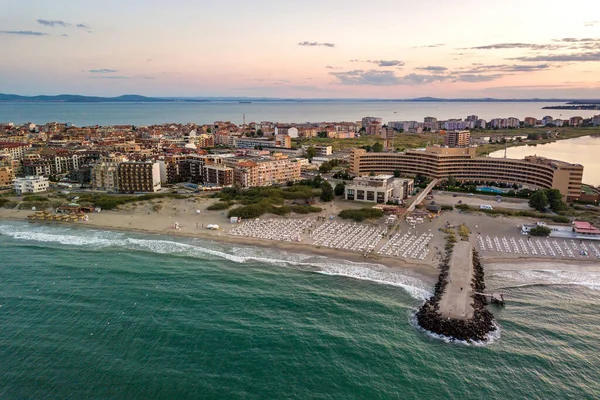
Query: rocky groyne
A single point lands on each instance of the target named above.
(475, 328)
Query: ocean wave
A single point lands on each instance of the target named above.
(98, 239)
(491, 337)
(546, 277)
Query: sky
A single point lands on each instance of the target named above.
(302, 49)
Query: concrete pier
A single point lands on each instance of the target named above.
(456, 301)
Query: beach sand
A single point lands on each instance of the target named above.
(142, 217)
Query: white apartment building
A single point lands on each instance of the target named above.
(31, 184)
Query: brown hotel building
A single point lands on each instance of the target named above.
(464, 165)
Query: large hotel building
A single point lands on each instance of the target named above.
(463, 164)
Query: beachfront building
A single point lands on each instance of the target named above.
(16, 150)
(251, 173)
(7, 177)
(378, 189)
(138, 177)
(464, 165)
(217, 174)
(366, 121)
(31, 184)
(596, 120)
(457, 139)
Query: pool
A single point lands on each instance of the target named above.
(488, 189)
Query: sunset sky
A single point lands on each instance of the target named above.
(308, 48)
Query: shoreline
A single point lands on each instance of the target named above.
(424, 271)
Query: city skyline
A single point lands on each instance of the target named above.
(350, 49)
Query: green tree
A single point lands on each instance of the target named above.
(396, 173)
(377, 147)
(325, 168)
(322, 135)
(326, 191)
(539, 200)
(339, 189)
(260, 133)
(540, 231)
(311, 152)
(451, 181)
(208, 130)
(555, 200)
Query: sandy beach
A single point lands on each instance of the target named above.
(143, 217)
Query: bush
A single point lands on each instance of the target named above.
(221, 205)
(249, 211)
(32, 197)
(447, 208)
(540, 231)
(361, 214)
(305, 209)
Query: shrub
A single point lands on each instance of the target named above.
(249, 211)
(305, 209)
(221, 205)
(540, 231)
(447, 208)
(361, 214)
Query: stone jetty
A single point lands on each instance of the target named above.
(455, 310)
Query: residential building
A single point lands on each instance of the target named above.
(16, 150)
(366, 121)
(266, 172)
(138, 176)
(7, 176)
(530, 121)
(457, 139)
(31, 184)
(596, 120)
(463, 164)
(575, 121)
(374, 128)
(219, 175)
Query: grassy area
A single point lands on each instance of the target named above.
(361, 214)
(563, 133)
(111, 202)
(563, 219)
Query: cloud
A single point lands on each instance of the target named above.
(389, 78)
(573, 57)
(481, 68)
(109, 77)
(429, 46)
(103, 71)
(64, 35)
(478, 78)
(52, 22)
(83, 26)
(531, 46)
(24, 33)
(312, 44)
(382, 63)
(332, 67)
(384, 78)
(590, 24)
(433, 68)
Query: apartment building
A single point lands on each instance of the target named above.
(7, 176)
(31, 184)
(249, 173)
(216, 174)
(464, 165)
(366, 121)
(596, 120)
(575, 121)
(139, 176)
(457, 139)
(16, 150)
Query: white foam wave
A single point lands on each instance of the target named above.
(590, 280)
(94, 239)
(490, 338)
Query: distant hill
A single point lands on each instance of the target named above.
(134, 98)
(73, 98)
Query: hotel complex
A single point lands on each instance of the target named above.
(463, 164)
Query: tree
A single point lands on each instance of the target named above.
(340, 188)
(555, 200)
(396, 173)
(322, 135)
(311, 152)
(539, 200)
(260, 133)
(451, 181)
(540, 231)
(325, 168)
(326, 191)
(377, 147)
(208, 130)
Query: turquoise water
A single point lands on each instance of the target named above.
(489, 190)
(88, 314)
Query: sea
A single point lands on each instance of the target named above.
(93, 314)
(86, 114)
